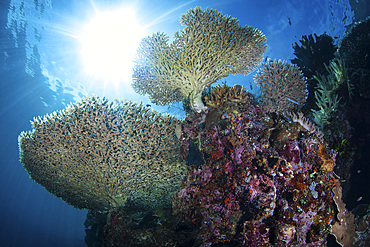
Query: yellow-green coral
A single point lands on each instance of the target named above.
(97, 154)
(210, 47)
(326, 93)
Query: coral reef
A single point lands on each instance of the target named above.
(236, 173)
(305, 123)
(329, 96)
(232, 99)
(97, 154)
(262, 180)
(210, 47)
(283, 86)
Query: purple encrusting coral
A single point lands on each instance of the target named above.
(261, 182)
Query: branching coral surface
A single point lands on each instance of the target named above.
(98, 154)
(210, 47)
(225, 96)
(283, 86)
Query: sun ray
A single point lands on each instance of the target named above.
(109, 42)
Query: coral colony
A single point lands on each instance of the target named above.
(97, 154)
(234, 172)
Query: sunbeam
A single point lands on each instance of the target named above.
(109, 42)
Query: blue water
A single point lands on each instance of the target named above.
(41, 72)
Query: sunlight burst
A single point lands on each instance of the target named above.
(109, 42)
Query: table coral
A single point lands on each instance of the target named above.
(210, 47)
(97, 154)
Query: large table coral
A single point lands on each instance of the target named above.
(210, 47)
(97, 154)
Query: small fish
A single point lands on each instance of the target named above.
(250, 84)
(290, 23)
(293, 101)
(148, 105)
(359, 199)
(343, 181)
(288, 118)
(178, 131)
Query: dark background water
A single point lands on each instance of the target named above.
(29, 215)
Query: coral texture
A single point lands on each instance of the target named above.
(283, 86)
(210, 47)
(136, 228)
(223, 95)
(97, 154)
(351, 230)
(262, 180)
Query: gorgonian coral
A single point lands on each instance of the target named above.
(283, 86)
(313, 52)
(210, 47)
(97, 154)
